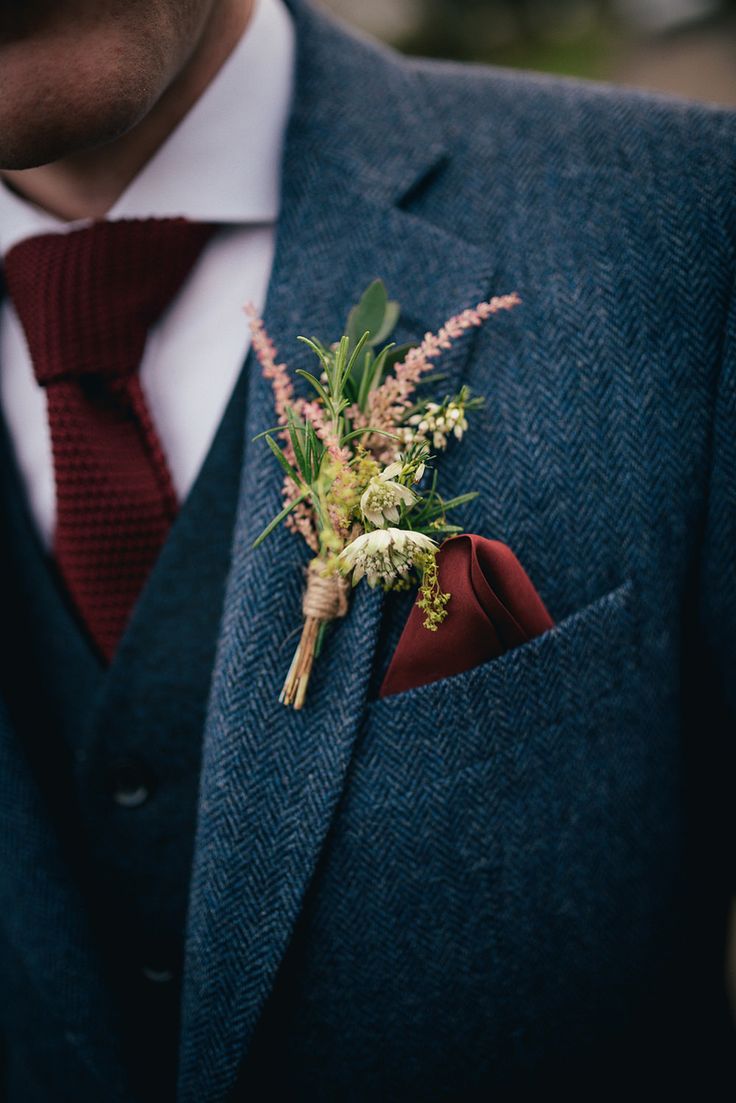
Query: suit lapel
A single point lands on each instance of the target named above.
(271, 778)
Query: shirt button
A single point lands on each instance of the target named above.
(130, 784)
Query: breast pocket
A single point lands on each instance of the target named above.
(501, 846)
(575, 674)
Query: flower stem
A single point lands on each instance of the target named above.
(297, 680)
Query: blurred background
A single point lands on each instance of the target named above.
(684, 47)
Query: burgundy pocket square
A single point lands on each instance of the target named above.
(494, 607)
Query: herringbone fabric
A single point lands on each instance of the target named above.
(86, 301)
(516, 880)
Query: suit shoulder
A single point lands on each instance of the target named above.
(578, 125)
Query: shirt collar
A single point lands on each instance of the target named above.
(222, 163)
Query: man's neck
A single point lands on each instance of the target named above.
(87, 184)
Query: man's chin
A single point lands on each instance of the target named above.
(51, 109)
(27, 141)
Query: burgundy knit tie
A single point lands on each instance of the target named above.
(86, 301)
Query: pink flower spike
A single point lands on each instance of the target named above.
(266, 354)
(389, 401)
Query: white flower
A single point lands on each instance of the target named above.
(438, 422)
(460, 424)
(393, 470)
(382, 497)
(384, 556)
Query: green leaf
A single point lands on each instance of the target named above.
(295, 435)
(335, 372)
(308, 457)
(372, 378)
(316, 349)
(390, 318)
(319, 388)
(356, 353)
(315, 453)
(369, 313)
(364, 432)
(287, 468)
(435, 530)
(267, 432)
(277, 520)
(434, 506)
(353, 379)
(365, 365)
(461, 500)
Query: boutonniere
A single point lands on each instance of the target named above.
(357, 459)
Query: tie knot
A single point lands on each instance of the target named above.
(86, 299)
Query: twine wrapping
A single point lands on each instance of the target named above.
(325, 599)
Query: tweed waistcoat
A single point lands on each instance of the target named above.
(116, 751)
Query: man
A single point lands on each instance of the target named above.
(506, 882)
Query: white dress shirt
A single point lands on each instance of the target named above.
(222, 164)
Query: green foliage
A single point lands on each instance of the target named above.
(356, 365)
(373, 314)
(376, 316)
(431, 599)
(338, 366)
(430, 514)
(274, 524)
(285, 465)
(308, 449)
(349, 371)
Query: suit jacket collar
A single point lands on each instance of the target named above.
(360, 139)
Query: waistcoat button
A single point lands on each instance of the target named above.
(157, 976)
(130, 784)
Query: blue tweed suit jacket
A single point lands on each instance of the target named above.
(519, 876)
